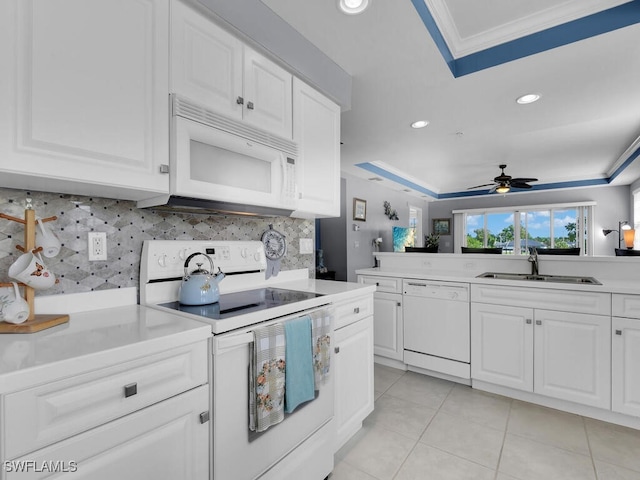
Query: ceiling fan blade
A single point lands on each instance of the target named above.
(523, 180)
(478, 186)
(520, 185)
(494, 188)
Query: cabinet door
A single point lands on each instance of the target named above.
(206, 61)
(354, 378)
(267, 95)
(625, 368)
(502, 345)
(573, 357)
(166, 440)
(388, 325)
(86, 108)
(316, 129)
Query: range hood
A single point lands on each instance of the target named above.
(178, 204)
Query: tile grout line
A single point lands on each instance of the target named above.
(593, 462)
(504, 437)
(422, 433)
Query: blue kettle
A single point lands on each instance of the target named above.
(200, 287)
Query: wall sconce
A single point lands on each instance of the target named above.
(625, 232)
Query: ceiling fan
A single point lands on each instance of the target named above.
(504, 183)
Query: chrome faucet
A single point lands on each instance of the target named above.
(533, 258)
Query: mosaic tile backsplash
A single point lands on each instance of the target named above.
(127, 227)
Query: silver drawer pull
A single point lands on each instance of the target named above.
(240, 101)
(130, 390)
(538, 322)
(356, 310)
(250, 105)
(336, 350)
(618, 332)
(204, 417)
(528, 321)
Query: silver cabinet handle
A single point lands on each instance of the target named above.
(356, 310)
(538, 322)
(528, 321)
(240, 101)
(398, 304)
(130, 390)
(250, 105)
(204, 417)
(164, 168)
(337, 349)
(618, 332)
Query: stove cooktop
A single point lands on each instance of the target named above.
(241, 303)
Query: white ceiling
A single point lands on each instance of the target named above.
(588, 116)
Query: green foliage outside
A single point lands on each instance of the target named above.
(507, 234)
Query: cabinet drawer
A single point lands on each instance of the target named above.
(353, 310)
(51, 412)
(627, 306)
(594, 303)
(383, 284)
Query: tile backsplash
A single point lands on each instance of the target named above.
(127, 227)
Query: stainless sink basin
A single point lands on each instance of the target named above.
(540, 278)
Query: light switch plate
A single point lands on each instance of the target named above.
(306, 246)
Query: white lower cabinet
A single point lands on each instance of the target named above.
(557, 354)
(625, 355)
(502, 345)
(145, 418)
(166, 440)
(353, 360)
(388, 326)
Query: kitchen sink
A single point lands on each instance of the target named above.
(540, 278)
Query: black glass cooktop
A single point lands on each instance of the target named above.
(241, 303)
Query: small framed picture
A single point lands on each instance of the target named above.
(442, 226)
(360, 209)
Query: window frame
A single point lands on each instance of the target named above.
(584, 233)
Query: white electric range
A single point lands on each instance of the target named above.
(291, 449)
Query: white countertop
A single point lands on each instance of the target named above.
(93, 339)
(608, 285)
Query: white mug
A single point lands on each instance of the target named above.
(13, 308)
(31, 270)
(48, 240)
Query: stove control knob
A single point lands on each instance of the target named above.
(244, 252)
(162, 260)
(256, 256)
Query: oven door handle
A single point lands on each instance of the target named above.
(232, 341)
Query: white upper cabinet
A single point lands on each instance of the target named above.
(84, 99)
(316, 129)
(215, 69)
(206, 62)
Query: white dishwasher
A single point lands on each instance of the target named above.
(436, 326)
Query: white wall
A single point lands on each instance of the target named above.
(339, 239)
(613, 205)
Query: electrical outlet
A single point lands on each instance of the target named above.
(97, 246)
(306, 246)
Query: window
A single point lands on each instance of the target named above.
(519, 229)
(415, 223)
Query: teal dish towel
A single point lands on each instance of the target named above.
(299, 373)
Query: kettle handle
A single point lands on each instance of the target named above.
(186, 262)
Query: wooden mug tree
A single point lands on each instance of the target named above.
(34, 323)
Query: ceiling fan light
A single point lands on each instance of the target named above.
(419, 124)
(353, 7)
(528, 98)
(503, 189)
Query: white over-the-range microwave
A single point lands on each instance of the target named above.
(220, 164)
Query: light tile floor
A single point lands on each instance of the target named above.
(425, 428)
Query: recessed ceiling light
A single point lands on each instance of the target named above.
(528, 98)
(419, 124)
(353, 7)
